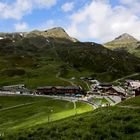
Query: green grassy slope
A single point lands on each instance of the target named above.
(126, 43)
(35, 62)
(124, 47)
(109, 123)
(18, 112)
(102, 63)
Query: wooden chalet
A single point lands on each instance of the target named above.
(108, 89)
(60, 90)
(134, 84)
(103, 87)
(117, 90)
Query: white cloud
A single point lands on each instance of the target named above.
(133, 5)
(19, 8)
(15, 10)
(66, 7)
(45, 3)
(101, 21)
(21, 26)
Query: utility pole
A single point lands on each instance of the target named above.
(49, 114)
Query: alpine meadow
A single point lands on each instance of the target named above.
(69, 70)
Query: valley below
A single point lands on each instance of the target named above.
(52, 86)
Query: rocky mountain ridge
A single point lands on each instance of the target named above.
(56, 32)
(125, 42)
(126, 37)
(33, 57)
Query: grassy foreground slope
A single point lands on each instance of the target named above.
(110, 123)
(22, 112)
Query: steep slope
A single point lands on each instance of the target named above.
(111, 123)
(125, 42)
(48, 35)
(59, 33)
(126, 38)
(36, 59)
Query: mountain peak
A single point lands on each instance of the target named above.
(56, 32)
(58, 29)
(124, 41)
(125, 37)
(59, 32)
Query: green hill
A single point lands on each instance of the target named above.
(110, 123)
(22, 112)
(126, 43)
(37, 58)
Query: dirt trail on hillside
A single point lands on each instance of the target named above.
(130, 107)
(128, 76)
(20, 105)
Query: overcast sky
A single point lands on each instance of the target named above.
(87, 20)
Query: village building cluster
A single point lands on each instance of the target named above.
(128, 88)
(47, 90)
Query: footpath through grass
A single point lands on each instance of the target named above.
(22, 112)
(109, 123)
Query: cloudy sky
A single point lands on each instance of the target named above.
(87, 20)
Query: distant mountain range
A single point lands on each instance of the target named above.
(51, 33)
(37, 58)
(125, 42)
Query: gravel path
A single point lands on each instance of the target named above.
(16, 106)
(130, 107)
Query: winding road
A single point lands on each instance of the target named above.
(66, 80)
(128, 76)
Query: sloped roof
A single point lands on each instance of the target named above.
(60, 87)
(135, 84)
(119, 89)
(105, 85)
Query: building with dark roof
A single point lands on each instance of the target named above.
(137, 92)
(60, 90)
